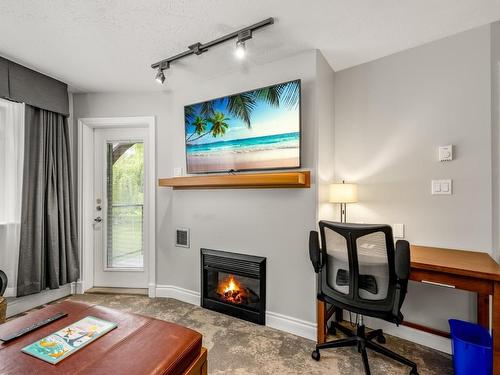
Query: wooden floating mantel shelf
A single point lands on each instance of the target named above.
(295, 179)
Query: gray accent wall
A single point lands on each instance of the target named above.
(495, 135)
(268, 222)
(390, 117)
(378, 124)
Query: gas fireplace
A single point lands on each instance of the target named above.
(234, 284)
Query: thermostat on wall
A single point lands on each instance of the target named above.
(446, 153)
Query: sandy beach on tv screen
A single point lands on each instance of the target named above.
(281, 158)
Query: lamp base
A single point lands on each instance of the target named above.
(343, 212)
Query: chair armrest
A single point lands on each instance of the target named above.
(402, 259)
(314, 250)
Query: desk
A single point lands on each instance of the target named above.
(467, 270)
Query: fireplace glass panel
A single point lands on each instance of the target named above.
(233, 289)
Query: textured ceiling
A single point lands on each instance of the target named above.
(108, 45)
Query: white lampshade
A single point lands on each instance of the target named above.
(343, 193)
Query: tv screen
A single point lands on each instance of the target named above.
(252, 130)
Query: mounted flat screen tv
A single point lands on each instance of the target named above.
(252, 130)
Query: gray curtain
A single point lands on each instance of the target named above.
(24, 85)
(48, 255)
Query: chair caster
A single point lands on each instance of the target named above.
(331, 329)
(413, 371)
(316, 356)
(381, 340)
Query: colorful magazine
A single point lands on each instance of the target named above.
(61, 344)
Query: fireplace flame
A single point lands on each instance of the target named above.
(231, 286)
(230, 290)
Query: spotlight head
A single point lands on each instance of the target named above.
(160, 77)
(243, 35)
(240, 51)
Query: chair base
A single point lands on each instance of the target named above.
(362, 340)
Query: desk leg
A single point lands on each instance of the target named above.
(483, 310)
(321, 321)
(496, 327)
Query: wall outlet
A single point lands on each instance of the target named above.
(398, 230)
(441, 187)
(177, 171)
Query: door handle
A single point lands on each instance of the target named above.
(98, 219)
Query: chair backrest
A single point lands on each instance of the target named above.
(357, 269)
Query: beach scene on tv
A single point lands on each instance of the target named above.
(258, 129)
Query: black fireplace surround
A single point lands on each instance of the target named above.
(234, 284)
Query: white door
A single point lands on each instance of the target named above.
(121, 204)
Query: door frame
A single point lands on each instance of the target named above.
(85, 194)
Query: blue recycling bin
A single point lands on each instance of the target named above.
(471, 346)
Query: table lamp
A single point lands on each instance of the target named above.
(343, 193)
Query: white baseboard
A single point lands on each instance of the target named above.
(274, 320)
(292, 325)
(151, 290)
(307, 329)
(181, 294)
(22, 304)
(80, 287)
(414, 335)
(11, 291)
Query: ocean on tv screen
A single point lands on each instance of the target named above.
(258, 129)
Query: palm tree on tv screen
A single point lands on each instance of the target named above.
(219, 124)
(241, 106)
(200, 126)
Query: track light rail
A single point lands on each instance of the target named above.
(199, 48)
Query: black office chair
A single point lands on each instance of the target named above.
(359, 271)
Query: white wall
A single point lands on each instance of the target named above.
(268, 222)
(390, 117)
(495, 135)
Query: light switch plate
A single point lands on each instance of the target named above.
(446, 153)
(398, 230)
(441, 187)
(177, 171)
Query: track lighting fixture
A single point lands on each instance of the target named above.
(160, 76)
(199, 48)
(240, 51)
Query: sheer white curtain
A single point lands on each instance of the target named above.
(11, 179)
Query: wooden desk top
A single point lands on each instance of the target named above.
(457, 262)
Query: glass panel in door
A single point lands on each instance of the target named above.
(125, 204)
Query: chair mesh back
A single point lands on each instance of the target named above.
(373, 266)
(338, 261)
